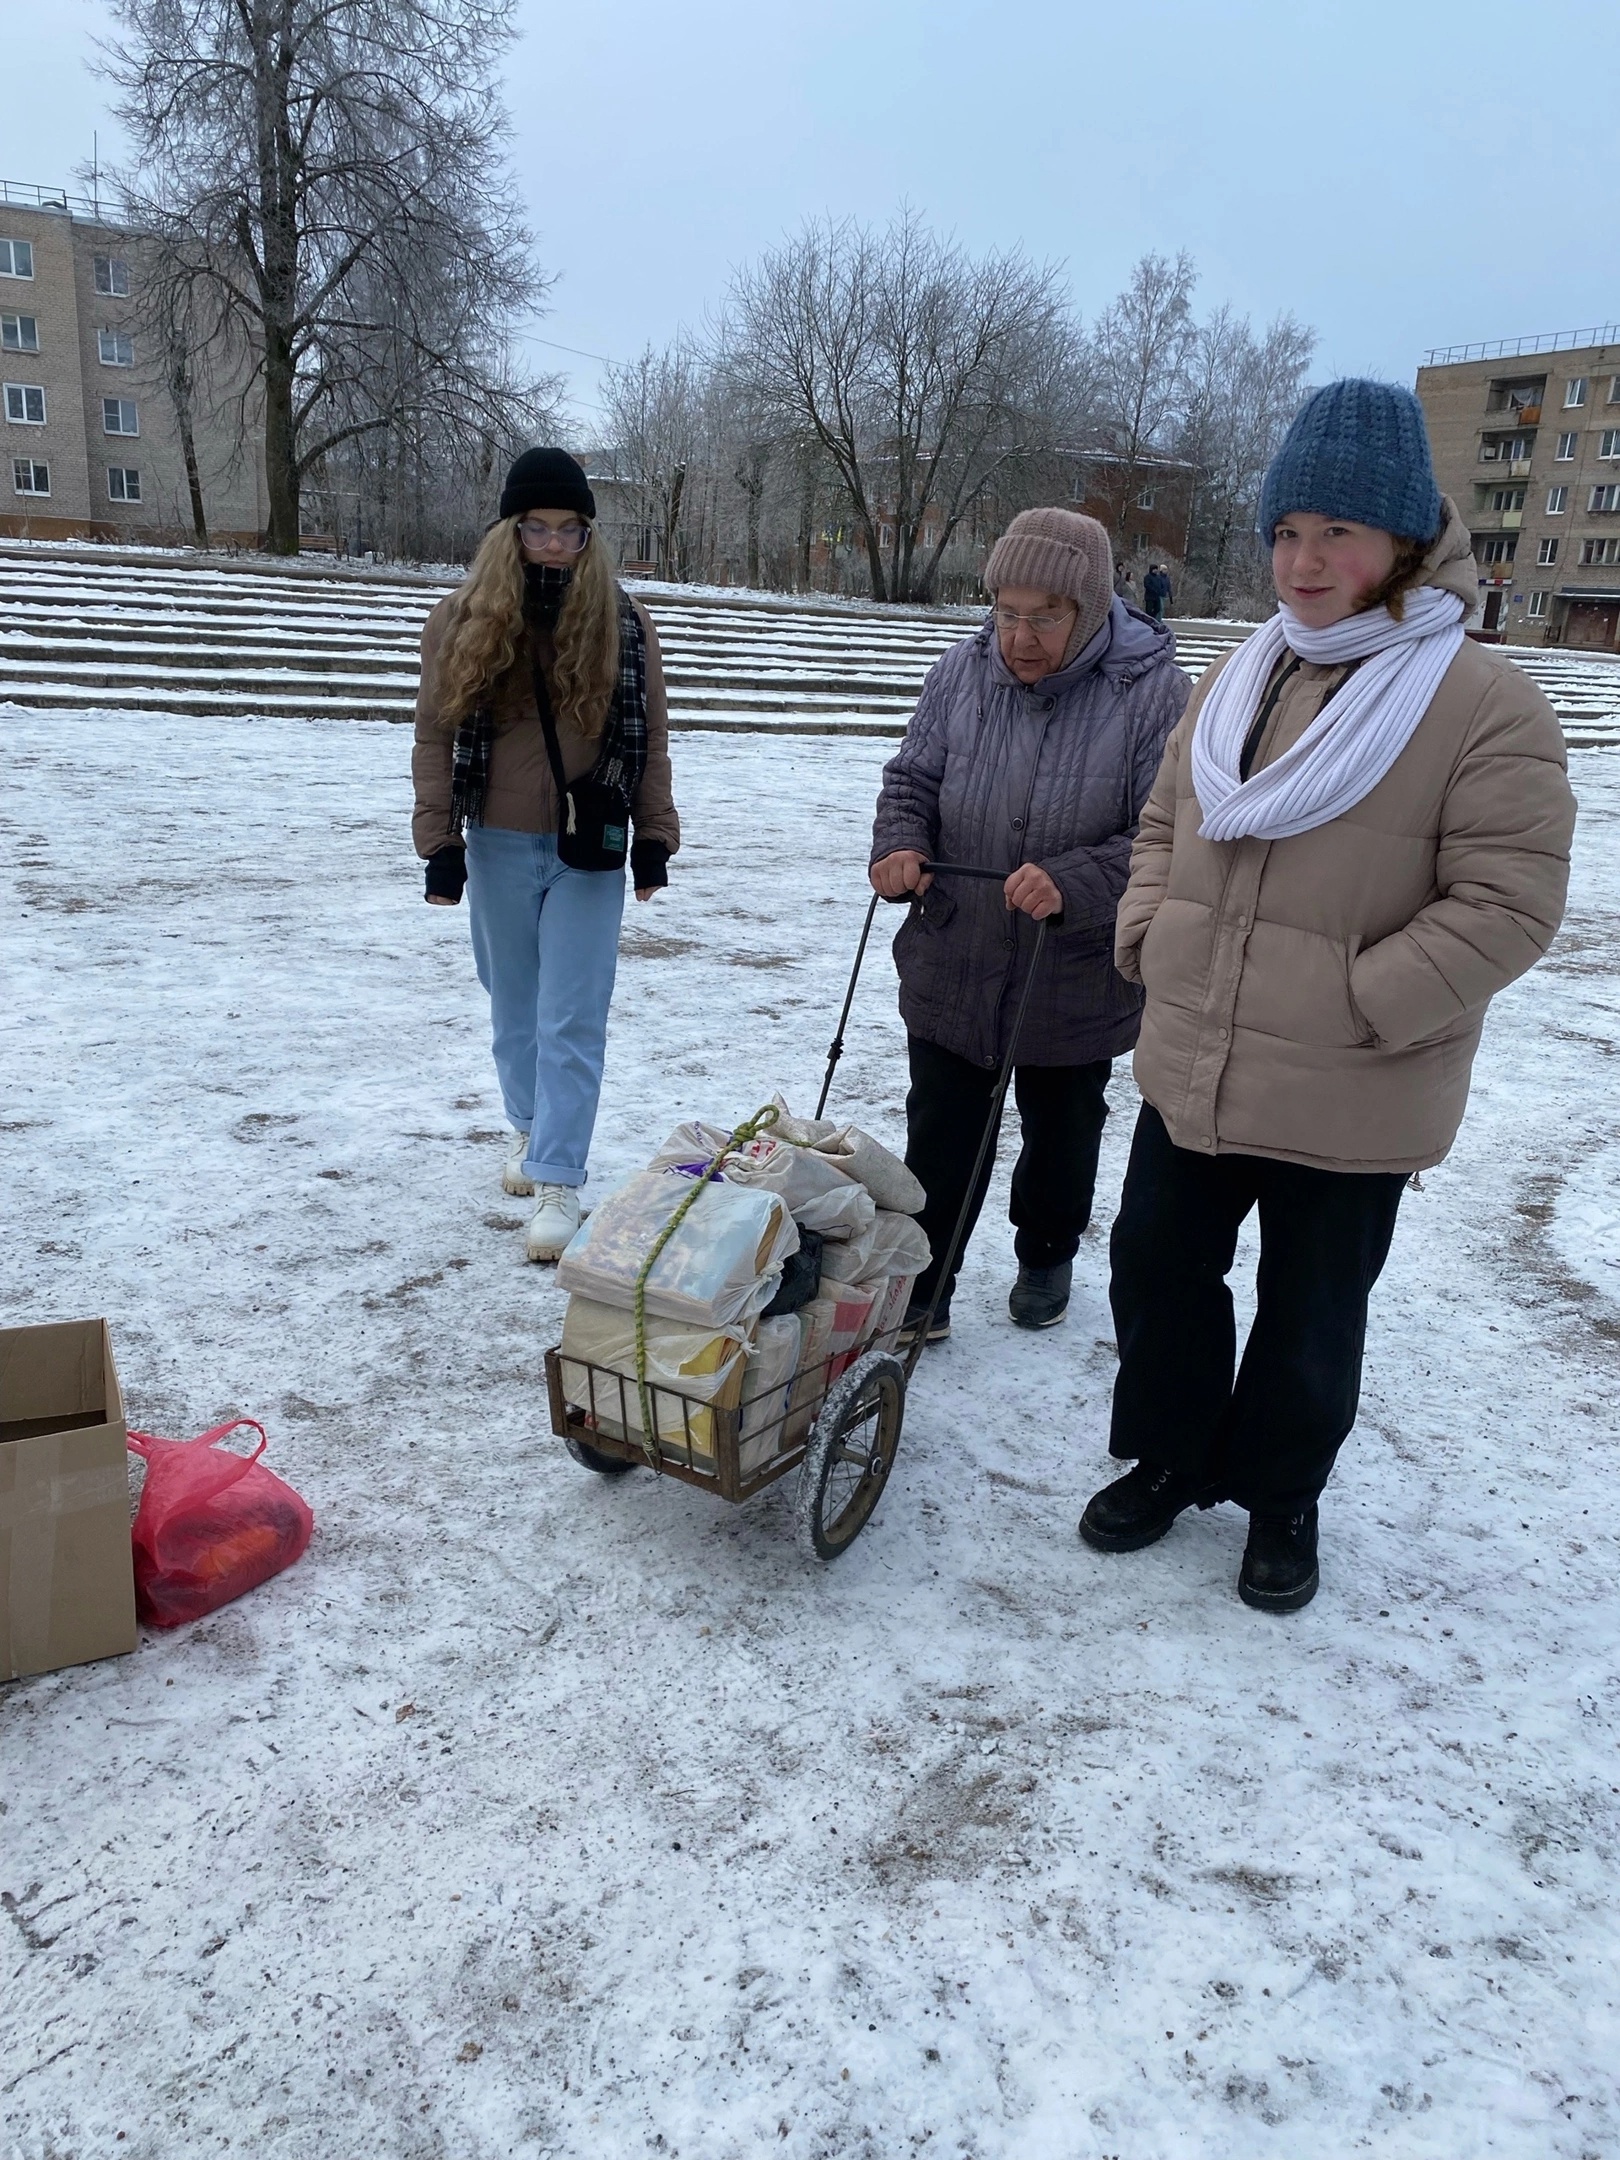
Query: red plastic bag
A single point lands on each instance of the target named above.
(210, 1526)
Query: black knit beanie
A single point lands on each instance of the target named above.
(547, 480)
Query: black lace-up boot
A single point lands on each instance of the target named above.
(1279, 1571)
(1138, 1509)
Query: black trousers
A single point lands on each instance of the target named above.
(1269, 1440)
(1062, 1109)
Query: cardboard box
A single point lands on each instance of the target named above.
(67, 1575)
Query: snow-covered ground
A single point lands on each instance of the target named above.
(534, 1815)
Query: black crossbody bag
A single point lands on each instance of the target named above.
(593, 813)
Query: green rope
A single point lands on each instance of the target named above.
(750, 1129)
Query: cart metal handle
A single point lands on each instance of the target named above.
(998, 1097)
(835, 1049)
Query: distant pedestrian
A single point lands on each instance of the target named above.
(1156, 593)
(1124, 583)
(1360, 833)
(1032, 750)
(538, 661)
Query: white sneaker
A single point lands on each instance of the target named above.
(555, 1221)
(512, 1178)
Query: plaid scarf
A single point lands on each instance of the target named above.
(623, 756)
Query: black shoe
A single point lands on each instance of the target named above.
(939, 1327)
(1279, 1572)
(1138, 1509)
(1040, 1296)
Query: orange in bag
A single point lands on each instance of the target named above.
(210, 1526)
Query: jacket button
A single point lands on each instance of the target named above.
(1206, 1141)
(1018, 824)
(1048, 704)
(1243, 922)
(1226, 1034)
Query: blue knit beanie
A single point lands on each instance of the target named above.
(1356, 450)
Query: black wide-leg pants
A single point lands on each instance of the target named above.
(1062, 1110)
(1268, 1439)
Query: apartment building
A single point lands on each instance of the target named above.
(1526, 436)
(92, 445)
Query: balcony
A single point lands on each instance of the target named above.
(1510, 520)
(1512, 416)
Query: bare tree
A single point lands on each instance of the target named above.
(1140, 349)
(333, 168)
(1242, 392)
(655, 412)
(911, 367)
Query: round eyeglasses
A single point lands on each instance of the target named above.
(569, 538)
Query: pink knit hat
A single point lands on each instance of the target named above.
(1058, 551)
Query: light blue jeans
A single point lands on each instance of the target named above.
(545, 941)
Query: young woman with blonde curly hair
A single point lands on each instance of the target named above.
(541, 739)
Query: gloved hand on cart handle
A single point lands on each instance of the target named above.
(1030, 889)
(900, 873)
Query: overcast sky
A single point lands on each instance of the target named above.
(1397, 175)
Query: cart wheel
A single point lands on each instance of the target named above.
(590, 1458)
(851, 1451)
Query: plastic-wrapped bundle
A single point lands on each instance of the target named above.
(858, 1155)
(889, 1303)
(767, 1385)
(692, 1371)
(895, 1245)
(819, 1194)
(720, 1268)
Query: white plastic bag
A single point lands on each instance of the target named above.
(689, 1369)
(858, 1155)
(819, 1195)
(767, 1385)
(720, 1268)
(898, 1245)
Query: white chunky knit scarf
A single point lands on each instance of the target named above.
(1352, 742)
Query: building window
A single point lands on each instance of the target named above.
(25, 403)
(1557, 501)
(112, 274)
(19, 333)
(1147, 498)
(30, 477)
(1537, 607)
(1595, 552)
(1605, 498)
(1501, 548)
(119, 417)
(123, 484)
(1566, 449)
(1614, 389)
(1609, 443)
(1507, 499)
(117, 348)
(1575, 391)
(16, 258)
(1546, 552)
(1500, 449)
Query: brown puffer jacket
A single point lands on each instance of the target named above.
(522, 796)
(1319, 999)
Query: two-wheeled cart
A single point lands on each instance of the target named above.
(836, 1421)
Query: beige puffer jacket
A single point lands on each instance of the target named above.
(1319, 999)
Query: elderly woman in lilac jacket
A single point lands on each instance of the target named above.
(1033, 747)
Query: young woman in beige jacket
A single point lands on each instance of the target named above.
(1360, 833)
(540, 636)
